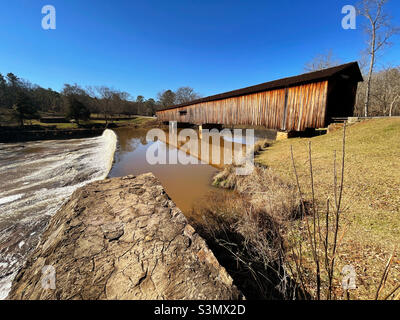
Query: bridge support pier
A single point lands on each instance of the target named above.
(283, 135)
(308, 133)
(207, 126)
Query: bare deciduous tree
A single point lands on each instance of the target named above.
(379, 30)
(322, 61)
(166, 98)
(395, 100)
(185, 94)
(106, 95)
(384, 93)
(394, 89)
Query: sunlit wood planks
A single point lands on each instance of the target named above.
(310, 100)
(305, 109)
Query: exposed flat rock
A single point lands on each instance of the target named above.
(123, 238)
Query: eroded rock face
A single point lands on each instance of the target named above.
(122, 239)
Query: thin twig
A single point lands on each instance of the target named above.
(384, 277)
(316, 256)
(338, 201)
(392, 292)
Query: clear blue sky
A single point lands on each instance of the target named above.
(145, 46)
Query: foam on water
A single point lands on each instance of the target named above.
(36, 179)
(10, 198)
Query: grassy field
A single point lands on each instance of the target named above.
(66, 125)
(371, 200)
(137, 121)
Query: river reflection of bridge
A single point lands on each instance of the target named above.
(217, 147)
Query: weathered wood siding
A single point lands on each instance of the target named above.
(293, 109)
(306, 106)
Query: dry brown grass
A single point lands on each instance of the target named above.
(245, 228)
(260, 146)
(265, 191)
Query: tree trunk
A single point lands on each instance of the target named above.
(105, 118)
(392, 105)
(371, 69)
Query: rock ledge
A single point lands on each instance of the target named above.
(122, 238)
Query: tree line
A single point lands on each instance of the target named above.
(25, 100)
(384, 94)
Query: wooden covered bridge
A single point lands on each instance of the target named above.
(297, 103)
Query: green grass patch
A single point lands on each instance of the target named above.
(371, 199)
(66, 125)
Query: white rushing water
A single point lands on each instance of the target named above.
(36, 178)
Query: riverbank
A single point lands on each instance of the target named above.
(371, 198)
(369, 225)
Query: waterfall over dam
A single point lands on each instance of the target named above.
(36, 179)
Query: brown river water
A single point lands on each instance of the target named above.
(185, 184)
(38, 177)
